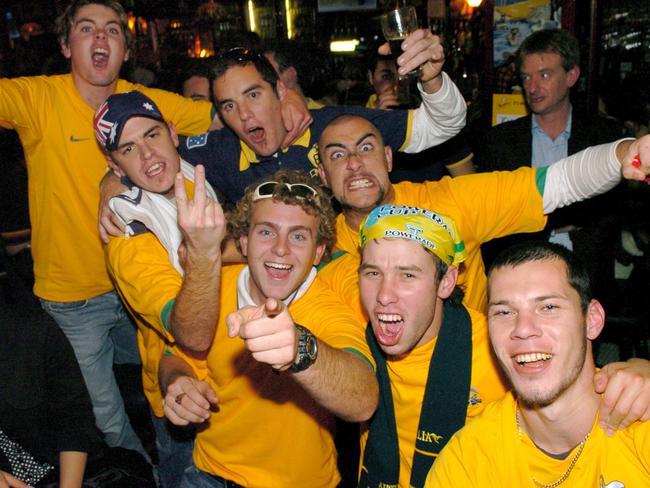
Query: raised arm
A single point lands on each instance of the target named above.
(339, 380)
(594, 171)
(195, 311)
(442, 112)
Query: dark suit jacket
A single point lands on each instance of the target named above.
(508, 146)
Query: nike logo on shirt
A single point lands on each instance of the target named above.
(74, 139)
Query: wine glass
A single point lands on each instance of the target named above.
(396, 26)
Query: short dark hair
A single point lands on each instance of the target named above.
(241, 56)
(65, 21)
(528, 251)
(342, 119)
(556, 41)
(372, 58)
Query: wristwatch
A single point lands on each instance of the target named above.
(307, 350)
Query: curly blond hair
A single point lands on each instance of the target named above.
(320, 206)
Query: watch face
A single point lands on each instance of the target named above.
(312, 347)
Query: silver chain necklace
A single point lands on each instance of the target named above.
(572, 464)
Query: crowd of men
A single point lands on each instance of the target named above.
(260, 325)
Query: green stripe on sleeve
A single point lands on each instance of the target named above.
(362, 356)
(166, 312)
(540, 179)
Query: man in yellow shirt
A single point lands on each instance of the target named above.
(144, 264)
(355, 164)
(53, 117)
(542, 321)
(286, 354)
(434, 365)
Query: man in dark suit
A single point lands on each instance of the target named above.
(549, 67)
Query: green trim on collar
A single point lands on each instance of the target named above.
(335, 256)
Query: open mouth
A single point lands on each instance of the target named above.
(532, 359)
(100, 57)
(155, 169)
(390, 328)
(278, 271)
(256, 134)
(359, 183)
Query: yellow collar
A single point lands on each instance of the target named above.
(247, 155)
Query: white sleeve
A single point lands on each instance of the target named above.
(583, 175)
(440, 116)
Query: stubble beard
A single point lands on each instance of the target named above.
(366, 210)
(539, 399)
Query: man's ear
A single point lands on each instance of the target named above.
(370, 77)
(127, 55)
(173, 133)
(320, 250)
(114, 166)
(243, 242)
(572, 75)
(65, 50)
(595, 319)
(281, 89)
(388, 151)
(448, 283)
(323, 174)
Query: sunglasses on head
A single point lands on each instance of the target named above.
(238, 54)
(268, 189)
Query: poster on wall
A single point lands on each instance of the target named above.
(507, 107)
(514, 20)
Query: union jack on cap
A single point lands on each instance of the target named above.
(111, 116)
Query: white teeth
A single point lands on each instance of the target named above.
(389, 317)
(279, 265)
(362, 183)
(154, 169)
(253, 129)
(100, 50)
(532, 357)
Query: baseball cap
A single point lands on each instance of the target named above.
(111, 116)
(434, 231)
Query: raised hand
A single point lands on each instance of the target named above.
(268, 331)
(201, 220)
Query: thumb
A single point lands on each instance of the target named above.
(209, 394)
(273, 307)
(600, 380)
(384, 49)
(236, 319)
(234, 322)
